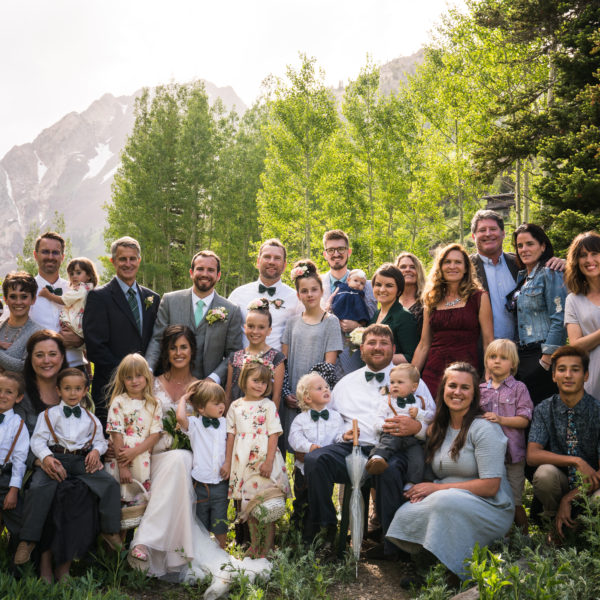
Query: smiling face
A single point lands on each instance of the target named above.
(309, 292)
(385, 290)
(488, 238)
(318, 393)
(46, 359)
(255, 386)
(9, 394)
(205, 275)
(180, 353)
(126, 263)
(589, 263)
(569, 375)
(19, 302)
(529, 250)
(409, 271)
(256, 327)
(135, 384)
(459, 392)
(377, 351)
(336, 254)
(49, 257)
(72, 390)
(271, 264)
(453, 267)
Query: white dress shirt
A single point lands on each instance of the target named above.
(424, 415)
(8, 431)
(304, 432)
(243, 295)
(72, 433)
(356, 398)
(208, 447)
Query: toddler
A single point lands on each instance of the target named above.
(208, 437)
(14, 447)
(508, 403)
(348, 300)
(404, 381)
(68, 440)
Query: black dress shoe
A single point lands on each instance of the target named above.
(375, 534)
(378, 553)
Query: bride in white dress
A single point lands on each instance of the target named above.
(170, 542)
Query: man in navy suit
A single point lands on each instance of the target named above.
(118, 319)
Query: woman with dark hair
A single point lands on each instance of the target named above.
(20, 290)
(539, 304)
(470, 502)
(457, 312)
(414, 282)
(582, 307)
(388, 285)
(177, 354)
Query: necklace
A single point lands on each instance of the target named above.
(454, 302)
(10, 333)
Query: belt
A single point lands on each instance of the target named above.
(531, 345)
(57, 449)
(6, 469)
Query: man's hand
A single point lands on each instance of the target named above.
(72, 340)
(314, 447)
(10, 500)
(348, 325)
(53, 468)
(93, 462)
(589, 475)
(563, 515)
(291, 401)
(401, 426)
(556, 264)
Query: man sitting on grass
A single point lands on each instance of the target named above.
(565, 439)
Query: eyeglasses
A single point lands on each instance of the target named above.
(332, 251)
(50, 252)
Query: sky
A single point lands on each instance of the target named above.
(58, 56)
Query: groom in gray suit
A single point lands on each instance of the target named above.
(216, 322)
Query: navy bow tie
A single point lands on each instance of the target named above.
(75, 411)
(315, 414)
(55, 291)
(208, 421)
(378, 376)
(263, 288)
(402, 402)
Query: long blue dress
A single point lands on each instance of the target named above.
(449, 523)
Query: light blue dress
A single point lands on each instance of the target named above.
(449, 523)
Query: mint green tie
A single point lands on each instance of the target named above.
(199, 312)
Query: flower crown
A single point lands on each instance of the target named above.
(254, 359)
(300, 271)
(259, 304)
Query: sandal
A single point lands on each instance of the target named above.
(139, 553)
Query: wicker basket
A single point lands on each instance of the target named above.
(270, 510)
(132, 515)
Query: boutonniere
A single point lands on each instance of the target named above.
(148, 301)
(214, 315)
(278, 303)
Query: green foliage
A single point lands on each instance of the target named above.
(566, 225)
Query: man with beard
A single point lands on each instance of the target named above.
(215, 321)
(336, 250)
(271, 263)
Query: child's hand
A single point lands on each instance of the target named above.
(126, 456)
(314, 447)
(10, 501)
(45, 293)
(266, 468)
(493, 417)
(413, 411)
(93, 462)
(225, 469)
(125, 475)
(347, 437)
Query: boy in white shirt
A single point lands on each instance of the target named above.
(208, 437)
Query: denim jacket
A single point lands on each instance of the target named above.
(541, 309)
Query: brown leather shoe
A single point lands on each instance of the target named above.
(113, 540)
(376, 465)
(23, 553)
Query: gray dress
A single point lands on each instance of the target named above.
(449, 523)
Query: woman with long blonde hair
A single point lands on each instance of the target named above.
(457, 311)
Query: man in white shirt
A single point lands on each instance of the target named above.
(357, 396)
(271, 263)
(49, 253)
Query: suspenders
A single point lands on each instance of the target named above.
(13, 444)
(85, 447)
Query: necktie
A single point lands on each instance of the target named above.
(133, 305)
(208, 421)
(315, 414)
(263, 288)
(378, 376)
(75, 411)
(55, 291)
(1, 417)
(199, 312)
(572, 445)
(402, 402)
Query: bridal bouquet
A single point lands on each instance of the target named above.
(170, 425)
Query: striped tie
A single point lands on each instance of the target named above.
(134, 308)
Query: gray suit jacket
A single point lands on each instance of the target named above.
(511, 263)
(214, 341)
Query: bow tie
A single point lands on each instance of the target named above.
(263, 288)
(402, 402)
(378, 376)
(75, 411)
(55, 291)
(315, 414)
(1, 417)
(208, 421)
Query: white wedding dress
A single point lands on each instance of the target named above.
(179, 546)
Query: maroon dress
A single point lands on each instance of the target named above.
(455, 337)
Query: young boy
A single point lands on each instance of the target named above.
(208, 437)
(14, 447)
(316, 426)
(68, 440)
(404, 381)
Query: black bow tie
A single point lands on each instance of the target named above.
(402, 402)
(269, 290)
(75, 411)
(55, 291)
(1, 417)
(378, 376)
(315, 414)
(208, 421)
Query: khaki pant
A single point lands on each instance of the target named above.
(550, 484)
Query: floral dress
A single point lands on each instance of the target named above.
(252, 423)
(134, 421)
